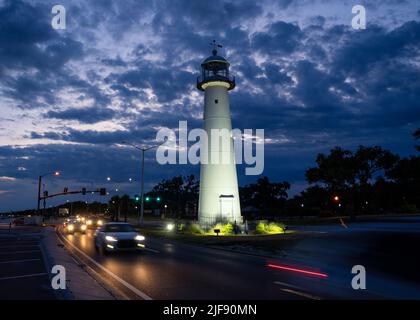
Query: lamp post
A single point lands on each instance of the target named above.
(55, 173)
(143, 150)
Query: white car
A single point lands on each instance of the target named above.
(118, 236)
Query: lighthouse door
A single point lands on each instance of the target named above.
(226, 207)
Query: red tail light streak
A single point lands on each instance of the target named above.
(317, 274)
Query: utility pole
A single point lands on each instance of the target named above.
(142, 188)
(39, 193)
(143, 150)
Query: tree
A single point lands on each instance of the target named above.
(368, 161)
(351, 175)
(335, 171)
(180, 194)
(406, 174)
(268, 197)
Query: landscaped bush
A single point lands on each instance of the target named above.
(260, 229)
(269, 228)
(275, 228)
(225, 229)
(194, 228)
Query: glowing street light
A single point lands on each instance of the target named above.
(54, 173)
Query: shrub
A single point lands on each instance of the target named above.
(270, 228)
(225, 229)
(260, 229)
(275, 228)
(195, 229)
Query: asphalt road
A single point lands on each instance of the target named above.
(173, 270)
(23, 273)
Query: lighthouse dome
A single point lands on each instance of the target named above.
(215, 69)
(215, 58)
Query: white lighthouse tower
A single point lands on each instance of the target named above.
(219, 196)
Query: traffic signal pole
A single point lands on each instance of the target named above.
(39, 194)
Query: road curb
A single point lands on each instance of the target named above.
(50, 261)
(80, 284)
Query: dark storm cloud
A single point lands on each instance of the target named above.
(375, 46)
(280, 38)
(31, 47)
(83, 115)
(28, 40)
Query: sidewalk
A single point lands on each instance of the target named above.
(79, 285)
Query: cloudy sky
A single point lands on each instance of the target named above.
(123, 69)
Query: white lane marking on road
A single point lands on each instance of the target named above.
(287, 285)
(14, 252)
(113, 275)
(18, 261)
(19, 246)
(302, 294)
(25, 276)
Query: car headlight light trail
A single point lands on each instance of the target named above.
(139, 238)
(110, 239)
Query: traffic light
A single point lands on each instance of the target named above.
(102, 191)
(147, 199)
(66, 190)
(83, 191)
(136, 198)
(158, 199)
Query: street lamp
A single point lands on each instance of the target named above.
(54, 173)
(143, 150)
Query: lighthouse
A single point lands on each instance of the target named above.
(219, 196)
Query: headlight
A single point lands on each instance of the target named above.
(170, 226)
(70, 227)
(83, 227)
(139, 238)
(89, 222)
(99, 222)
(110, 239)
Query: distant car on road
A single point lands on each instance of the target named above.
(118, 236)
(94, 222)
(74, 226)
